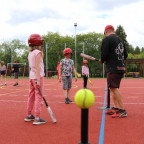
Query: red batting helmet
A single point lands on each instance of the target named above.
(67, 51)
(35, 40)
(108, 27)
(85, 62)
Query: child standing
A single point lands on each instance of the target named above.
(16, 70)
(35, 59)
(85, 72)
(57, 68)
(3, 73)
(65, 70)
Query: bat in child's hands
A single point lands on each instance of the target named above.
(48, 107)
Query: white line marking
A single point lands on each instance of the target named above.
(17, 101)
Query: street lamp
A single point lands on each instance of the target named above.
(46, 60)
(83, 49)
(75, 25)
(11, 46)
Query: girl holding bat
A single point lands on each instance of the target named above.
(35, 59)
(85, 72)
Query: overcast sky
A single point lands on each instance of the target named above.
(20, 18)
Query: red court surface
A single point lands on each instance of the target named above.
(13, 102)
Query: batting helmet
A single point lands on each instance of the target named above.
(108, 27)
(67, 51)
(85, 62)
(35, 40)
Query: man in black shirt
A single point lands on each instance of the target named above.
(113, 53)
(16, 70)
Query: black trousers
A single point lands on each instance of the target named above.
(85, 78)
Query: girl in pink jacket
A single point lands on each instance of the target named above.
(85, 72)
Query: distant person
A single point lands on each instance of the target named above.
(16, 70)
(36, 64)
(113, 53)
(57, 68)
(3, 73)
(65, 73)
(85, 72)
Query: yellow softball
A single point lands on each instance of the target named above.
(84, 98)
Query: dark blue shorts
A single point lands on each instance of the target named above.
(3, 72)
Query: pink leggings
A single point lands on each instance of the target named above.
(35, 97)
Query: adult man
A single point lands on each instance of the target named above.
(113, 53)
(16, 70)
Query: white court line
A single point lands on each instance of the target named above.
(61, 96)
(18, 95)
(16, 101)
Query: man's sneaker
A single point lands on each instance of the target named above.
(66, 100)
(15, 84)
(69, 100)
(31, 118)
(120, 114)
(112, 111)
(38, 122)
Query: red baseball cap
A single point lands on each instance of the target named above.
(108, 27)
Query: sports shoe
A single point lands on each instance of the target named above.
(40, 121)
(31, 118)
(66, 100)
(15, 84)
(112, 111)
(69, 100)
(121, 113)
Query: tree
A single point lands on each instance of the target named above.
(137, 50)
(142, 49)
(14, 50)
(55, 46)
(130, 56)
(121, 33)
(131, 49)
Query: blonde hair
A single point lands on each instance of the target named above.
(31, 48)
(2, 63)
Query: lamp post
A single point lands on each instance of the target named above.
(46, 59)
(11, 55)
(75, 25)
(11, 58)
(83, 49)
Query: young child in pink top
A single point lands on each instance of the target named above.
(3, 73)
(35, 59)
(85, 72)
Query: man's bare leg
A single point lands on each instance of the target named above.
(117, 97)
